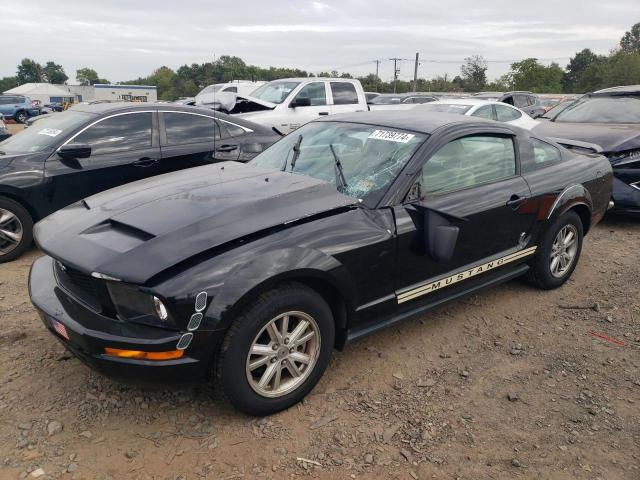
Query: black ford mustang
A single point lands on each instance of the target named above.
(252, 273)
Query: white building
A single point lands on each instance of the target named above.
(49, 93)
(43, 92)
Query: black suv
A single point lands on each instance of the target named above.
(90, 148)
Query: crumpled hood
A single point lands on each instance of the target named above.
(612, 138)
(138, 230)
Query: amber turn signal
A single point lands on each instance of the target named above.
(139, 354)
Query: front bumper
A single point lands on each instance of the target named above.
(626, 198)
(90, 333)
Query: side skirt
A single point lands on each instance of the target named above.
(358, 333)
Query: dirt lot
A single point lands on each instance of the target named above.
(506, 384)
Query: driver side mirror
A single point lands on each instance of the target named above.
(300, 102)
(73, 151)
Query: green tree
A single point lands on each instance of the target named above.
(88, 76)
(529, 74)
(29, 71)
(54, 73)
(580, 67)
(474, 73)
(7, 83)
(630, 41)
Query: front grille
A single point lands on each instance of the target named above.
(91, 291)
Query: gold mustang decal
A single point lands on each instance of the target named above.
(463, 275)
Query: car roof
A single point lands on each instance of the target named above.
(106, 108)
(635, 89)
(414, 120)
(467, 101)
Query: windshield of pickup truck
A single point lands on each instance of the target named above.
(369, 157)
(275, 92)
(46, 133)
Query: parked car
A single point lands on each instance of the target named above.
(554, 111)
(90, 148)
(291, 102)
(490, 110)
(18, 107)
(253, 273)
(186, 101)
(370, 96)
(402, 98)
(525, 101)
(609, 118)
(207, 96)
(4, 131)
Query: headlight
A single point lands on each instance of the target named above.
(135, 306)
(625, 158)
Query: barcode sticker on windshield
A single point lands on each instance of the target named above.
(391, 136)
(52, 132)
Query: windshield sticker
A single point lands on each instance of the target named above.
(389, 136)
(51, 132)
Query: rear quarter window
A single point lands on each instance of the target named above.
(542, 154)
(344, 93)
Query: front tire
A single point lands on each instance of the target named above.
(276, 350)
(21, 116)
(558, 252)
(16, 230)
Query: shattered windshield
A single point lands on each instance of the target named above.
(369, 157)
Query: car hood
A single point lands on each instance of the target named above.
(612, 138)
(136, 231)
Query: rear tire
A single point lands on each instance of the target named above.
(276, 376)
(558, 252)
(21, 116)
(16, 229)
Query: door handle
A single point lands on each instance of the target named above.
(226, 148)
(323, 113)
(144, 162)
(515, 201)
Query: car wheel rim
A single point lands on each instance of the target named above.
(563, 251)
(10, 231)
(283, 355)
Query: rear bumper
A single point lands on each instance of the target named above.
(88, 344)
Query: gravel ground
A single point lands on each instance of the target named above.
(504, 384)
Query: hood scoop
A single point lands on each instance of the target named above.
(116, 236)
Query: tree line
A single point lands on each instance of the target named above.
(586, 71)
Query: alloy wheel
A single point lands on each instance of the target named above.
(10, 231)
(563, 250)
(283, 354)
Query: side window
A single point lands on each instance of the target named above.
(506, 114)
(234, 130)
(532, 100)
(544, 153)
(469, 161)
(508, 100)
(521, 101)
(184, 128)
(315, 92)
(422, 99)
(231, 89)
(118, 134)
(344, 93)
(485, 111)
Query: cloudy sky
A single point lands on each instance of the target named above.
(124, 39)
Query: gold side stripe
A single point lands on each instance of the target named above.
(463, 275)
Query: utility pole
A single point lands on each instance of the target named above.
(377, 62)
(396, 71)
(415, 74)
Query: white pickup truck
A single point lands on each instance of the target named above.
(289, 103)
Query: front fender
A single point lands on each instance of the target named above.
(271, 268)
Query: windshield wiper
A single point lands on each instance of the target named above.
(338, 171)
(296, 154)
